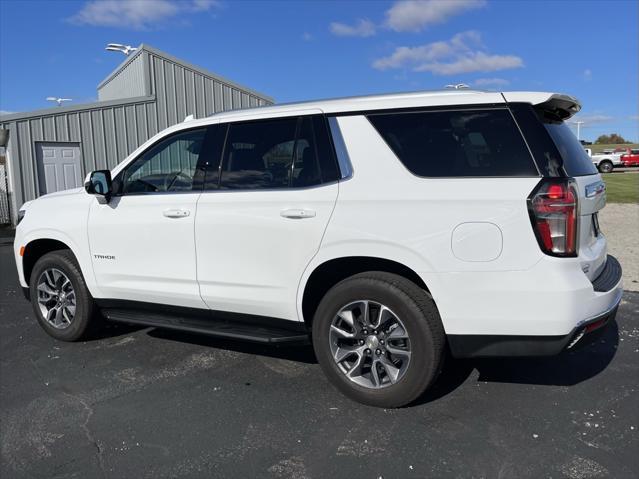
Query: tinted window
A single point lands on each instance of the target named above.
(557, 151)
(314, 161)
(457, 143)
(258, 154)
(576, 161)
(277, 153)
(326, 154)
(170, 165)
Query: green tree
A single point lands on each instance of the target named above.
(612, 139)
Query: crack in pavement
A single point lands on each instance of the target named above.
(87, 432)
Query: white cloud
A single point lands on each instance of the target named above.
(363, 28)
(415, 15)
(491, 82)
(464, 53)
(589, 119)
(5, 112)
(203, 5)
(587, 74)
(634, 117)
(473, 62)
(137, 14)
(307, 37)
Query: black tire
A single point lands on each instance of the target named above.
(418, 314)
(605, 166)
(84, 319)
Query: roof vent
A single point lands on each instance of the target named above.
(458, 86)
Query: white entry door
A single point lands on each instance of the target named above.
(59, 166)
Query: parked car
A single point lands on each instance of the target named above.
(388, 230)
(605, 162)
(621, 150)
(631, 158)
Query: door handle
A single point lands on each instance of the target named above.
(176, 213)
(297, 214)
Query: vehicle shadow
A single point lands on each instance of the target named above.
(566, 369)
(302, 353)
(108, 329)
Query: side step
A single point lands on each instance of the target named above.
(224, 325)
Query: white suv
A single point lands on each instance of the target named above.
(389, 229)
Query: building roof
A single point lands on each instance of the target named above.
(189, 66)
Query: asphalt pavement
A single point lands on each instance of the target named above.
(138, 403)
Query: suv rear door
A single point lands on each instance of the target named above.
(263, 212)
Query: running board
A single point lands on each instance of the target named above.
(256, 329)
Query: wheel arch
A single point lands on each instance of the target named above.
(330, 272)
(36, 249)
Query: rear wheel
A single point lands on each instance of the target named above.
(605, 166)
(379, 339)
(59, 296)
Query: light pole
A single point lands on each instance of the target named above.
(118, 47)
(579, 123)
(59, 101)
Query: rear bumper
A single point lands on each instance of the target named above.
(480, 346)
(606, 287)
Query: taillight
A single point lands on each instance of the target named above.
(553, 211)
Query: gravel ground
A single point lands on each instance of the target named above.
(620, 223)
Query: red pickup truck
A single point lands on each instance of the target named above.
(631, 158)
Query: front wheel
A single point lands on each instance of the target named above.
(379, 339)
(60, 298)
(605, 167)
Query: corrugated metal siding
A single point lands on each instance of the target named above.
(127, 83)
(106, 136)
(108, 133)
(181, 91)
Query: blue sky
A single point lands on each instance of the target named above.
(305, 50)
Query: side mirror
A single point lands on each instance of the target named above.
(98, 183)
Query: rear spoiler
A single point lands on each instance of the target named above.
(554, 105)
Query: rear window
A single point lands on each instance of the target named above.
(557, 151)
(468, 143)
(576, 161)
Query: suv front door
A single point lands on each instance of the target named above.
(142, 243)
(263, 213)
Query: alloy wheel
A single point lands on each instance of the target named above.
(56, 298)
(370, 344)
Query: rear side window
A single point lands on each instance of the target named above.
(468, 143)
(259, 154)
(277, 153)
